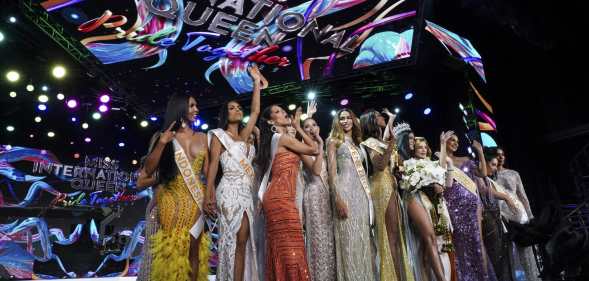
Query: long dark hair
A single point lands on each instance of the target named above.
(265, 150)
(369, 125)
(176, 109)
(224, 116)
(403, 145)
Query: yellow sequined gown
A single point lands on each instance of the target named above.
(171, 244)
(384, 189)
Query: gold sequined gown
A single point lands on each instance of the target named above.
(177, 213)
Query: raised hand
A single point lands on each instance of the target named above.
(445, 136)
(258, 77)
(388, 113)
(168, 135)
(477, 146)
(296, 122)
(311, 108)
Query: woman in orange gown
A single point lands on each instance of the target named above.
(280, 156)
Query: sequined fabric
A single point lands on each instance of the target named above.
(285, 254)
(355, 258)
(319, 237)
(151, 227)
(234, 200)
(465, 211)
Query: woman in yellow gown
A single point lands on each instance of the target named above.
(180, 249)
(392, 249)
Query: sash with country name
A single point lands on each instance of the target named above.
(463, 179)
(266, 178)
(356, 158)
(234, 151)
(192, 183)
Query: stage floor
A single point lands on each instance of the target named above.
(211, 278)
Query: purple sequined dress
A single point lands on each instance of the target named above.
(464, 206)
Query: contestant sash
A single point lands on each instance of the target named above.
(233, 150)
(264, 184)
(362, 175)
(192, 183)
(460, 177)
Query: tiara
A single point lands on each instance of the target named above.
(401, 128)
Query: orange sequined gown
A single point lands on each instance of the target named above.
(285, 257)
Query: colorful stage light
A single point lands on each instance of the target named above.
(12, 94)
(104, 98)
(43, 98)
(72, 103)
(74, 16)
(143, 123)
(461, 106)
(50, 134)
(87, 139)
(12, 19)
(153, 118)
(311, 95)
(427, 111)
(1, 36)
(292, 106)
(304, 116)
(344, 102)
(103, 108)
(245, 119)
(74, 119)
(30, 87)
(60, 96)
(204, 126)
(31, 136)
(76, 155)
(12, 76)
(333, 113)
(42, 107)
(96, 116)
(45, 88)
(38, 119)
(408, 96)
(84, 125)
(134, 162)
(10, 128)
(121, 144)
(58, 71)
(397, 110)
(8, 147)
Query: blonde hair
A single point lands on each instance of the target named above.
(337, 132)
(419, 140)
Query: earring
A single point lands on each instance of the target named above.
(274, 129)
(183, 124)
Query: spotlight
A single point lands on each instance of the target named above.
(44, 88)
(465, 112)
(304, 116)
(469, 150)
(12, 94)
(84, 125)
(50, 134)
(74, 119)
(103, 108)
(8, 147)
(72, 103)
(311, 95)
(397, 110)
(292, 106)
(43, 98)
(427, 111)
(74, 16)
(38, 119)
(87, 139)
(58, 71)
(153, 118)
(134, 162)
(96, 116)
(107, 159)
(60, 96)
(408, 96)
(71, 142)
(104, 98)
(76, 155)
(122, 128)
(204, 126)
(344, 102)
(121, 144)
(12, 19)
(461, 106)
(42, 107)
(246, 119)
(134, 116)
(30, 87)
(12, 76)
(143, 124)
(10, 128)
(31, 136)
(1, 36)
(333, 113)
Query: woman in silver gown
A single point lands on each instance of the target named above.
(347, 177)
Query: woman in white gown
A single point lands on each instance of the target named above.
(233, 196)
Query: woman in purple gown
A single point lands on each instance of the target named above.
(465, 208)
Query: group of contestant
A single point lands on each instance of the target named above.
(369, 203)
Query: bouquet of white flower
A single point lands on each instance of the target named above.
(421, 172)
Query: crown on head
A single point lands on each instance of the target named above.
(401, 128)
